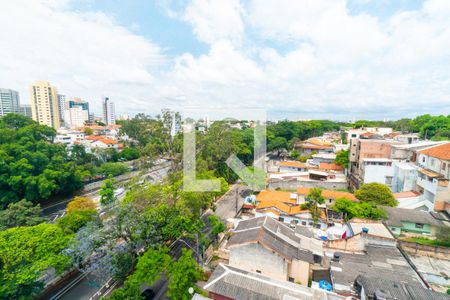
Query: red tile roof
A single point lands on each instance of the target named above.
(441, 151)
(330, 166)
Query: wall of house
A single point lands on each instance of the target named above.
(255, 257)
(299, 270)
(411, 227)
(395, 230)
(374, 173)
(294, 184)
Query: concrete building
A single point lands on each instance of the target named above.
(109, 113)
(361, 149)
(62, 106)
(228, 282)
(76, 113)
(25, 110)
(405, 220)
(9, 102)
(377, 170)
(434, 175)
(44, 104)
(266, 246)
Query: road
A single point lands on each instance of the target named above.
(89, 288)
(56, 209)
(226, 207)
(86, 287)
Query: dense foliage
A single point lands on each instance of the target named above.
(376, 193)
(342, 158)
(22, 213)
(363, 210)
(315, 198)
(25, 253)
(31, 167)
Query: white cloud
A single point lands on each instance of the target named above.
(83, 54)
(213, 20)
(293, 56)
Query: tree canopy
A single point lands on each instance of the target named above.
(363, 210)
(25, 254)
(376, 193)
(22, 213)
(31, 167)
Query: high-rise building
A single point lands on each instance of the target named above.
(9, 102)
(76, 113)
(109, 117)
(25, 110)
(61, 106)
(44, 104)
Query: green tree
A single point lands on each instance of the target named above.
(25, 254)
(342, 158)
(129, 153)
(363, 210)
(22, 213)
(73, 221)
(184, 274)
(113, 169)
(315, 198)
(88, 131)
(216, 225)
(122, 264)
(31, 167)
(376, 193)
(148, 269)
(443, 234)
(106, 192)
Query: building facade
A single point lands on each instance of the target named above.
(44, 104)
(76, 113)
(109, 114)
(9, 102)
(62, 106)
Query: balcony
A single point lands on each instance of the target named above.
(430, 186)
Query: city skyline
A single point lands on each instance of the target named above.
(325, 60)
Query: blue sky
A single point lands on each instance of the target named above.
(303, 59)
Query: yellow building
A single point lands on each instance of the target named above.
(44, 104)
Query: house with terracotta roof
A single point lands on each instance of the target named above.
(95, 142)
(292, 166)
(312, 146)
(434, 175)
(286, 207)
(329, 195)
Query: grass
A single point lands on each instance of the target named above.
(428, 242)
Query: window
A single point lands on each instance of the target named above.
(304, 223)
(423, 159)
(281, 219)
(444, 166)
(258, 271)
(419, 225)
(291, 279)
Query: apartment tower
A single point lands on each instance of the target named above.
(109, 115)
(44, 104)
(9, 102)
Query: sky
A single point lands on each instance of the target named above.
(297, 59)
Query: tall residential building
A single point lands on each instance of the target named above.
(76, 113)
(9, 101)
(25, 110)
(61, 106)
(109, 117)
(44, 104)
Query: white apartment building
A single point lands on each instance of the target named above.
(109, 113)
(434, 174)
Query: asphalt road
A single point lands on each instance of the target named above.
(91, 288)
(85, 288)
(230, 203)
(58, 208)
